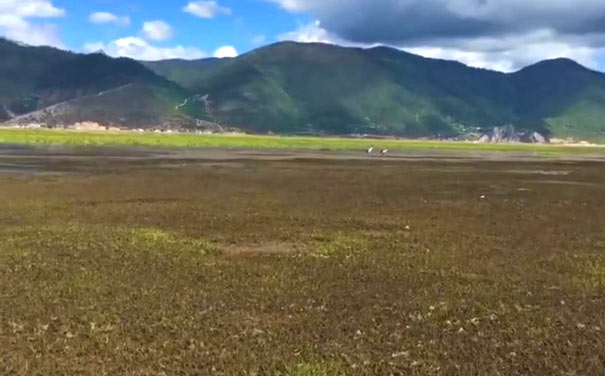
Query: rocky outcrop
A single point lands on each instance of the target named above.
(48, 115)
(3, 115)
(509, 133)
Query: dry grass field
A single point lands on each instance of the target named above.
(301, 266)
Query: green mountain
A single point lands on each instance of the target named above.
(302, 88)
(567, 96)
(47, 85)
(290, 87)
(187, 73)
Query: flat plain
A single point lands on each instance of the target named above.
(239, 141)
(141, 261)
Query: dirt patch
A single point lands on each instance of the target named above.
(539, 172)
(63, 159)
(271, 248)
(564, 182)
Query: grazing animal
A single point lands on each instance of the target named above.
(384, 151)
(370, 150)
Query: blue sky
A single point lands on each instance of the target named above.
(497, 34)
(248, 24)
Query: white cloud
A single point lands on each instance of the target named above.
(11, 21)
(258, 40)
(313, 33)
(300, 5)
(140, 49)
(404, 19)
(225, 51)
(16, 22)
(30, 8)
(512, 52)
(506, 51)
(206, 9)
(106, 17)
(35, 34)
(157, 30)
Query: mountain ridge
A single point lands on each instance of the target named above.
(314, 88)
(55, 87)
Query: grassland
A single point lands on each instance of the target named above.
(303, 268)
(73, 138)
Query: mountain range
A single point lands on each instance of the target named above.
(293, 88)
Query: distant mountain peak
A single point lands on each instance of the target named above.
(556, 63)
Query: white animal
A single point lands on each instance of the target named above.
(370, 150)
(384, 151)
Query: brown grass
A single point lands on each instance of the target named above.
(304, 268)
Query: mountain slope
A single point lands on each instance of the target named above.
(40, 84)
(187, 73)
(301, 88)
(291, 87)
(568, 96)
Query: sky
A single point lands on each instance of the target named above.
(504, 35)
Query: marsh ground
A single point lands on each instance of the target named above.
(132, 261)
(264, 142)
